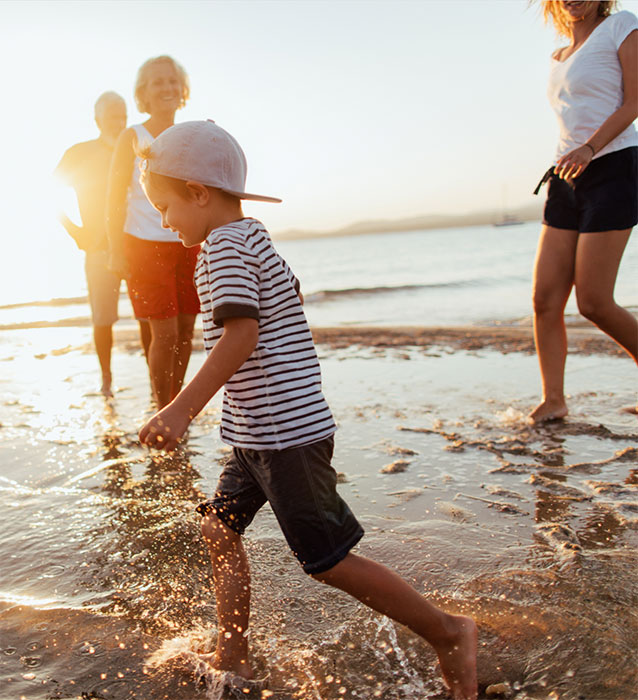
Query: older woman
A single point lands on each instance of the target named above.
(592, 198)
(158, 268)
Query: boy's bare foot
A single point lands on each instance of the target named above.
(238, 667)
(548, 410)
(458, 659)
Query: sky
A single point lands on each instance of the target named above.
(348, 110)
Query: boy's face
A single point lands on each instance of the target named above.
(184, 216)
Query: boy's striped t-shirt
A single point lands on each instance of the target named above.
(275, 399)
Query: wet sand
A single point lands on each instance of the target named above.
(505, 339)
(105, 589)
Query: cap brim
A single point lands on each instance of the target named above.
(254, 197)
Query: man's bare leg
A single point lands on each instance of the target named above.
(103, 339)
(454, 637)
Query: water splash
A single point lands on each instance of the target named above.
(187, 653)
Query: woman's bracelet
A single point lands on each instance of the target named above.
(593, 152)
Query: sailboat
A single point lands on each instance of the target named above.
(507, 218)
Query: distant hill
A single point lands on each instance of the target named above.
(532, 212)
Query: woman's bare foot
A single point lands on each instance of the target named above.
(549, 409)
(633, 410)
(457, 659)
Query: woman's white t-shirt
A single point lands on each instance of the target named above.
(142, 220)
(587, 88)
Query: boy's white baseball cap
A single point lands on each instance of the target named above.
(203, 152)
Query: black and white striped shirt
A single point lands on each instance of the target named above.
(274, 400)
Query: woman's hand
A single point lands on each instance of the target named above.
(573, 164)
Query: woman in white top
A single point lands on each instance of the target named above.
(592, 199)
(159, 270)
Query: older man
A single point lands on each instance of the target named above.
(85, 166)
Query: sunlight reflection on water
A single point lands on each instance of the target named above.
(101, 548)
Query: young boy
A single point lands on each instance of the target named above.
(274, 414)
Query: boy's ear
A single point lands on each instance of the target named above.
(198, 192)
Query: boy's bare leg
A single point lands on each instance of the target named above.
(231, 574)
(454, 637)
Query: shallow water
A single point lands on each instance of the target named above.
(105, 588)
(474, 274)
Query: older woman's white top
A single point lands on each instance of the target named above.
(587, 88)
(142, 220)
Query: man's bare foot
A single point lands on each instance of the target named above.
(238, 667)
(548, 410)
(457, 659)
(106, 389)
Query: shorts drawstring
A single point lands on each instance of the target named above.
(544, 179)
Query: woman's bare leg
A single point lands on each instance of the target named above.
(598, 257)
(185, 325)
(553, 281)
(161, 358)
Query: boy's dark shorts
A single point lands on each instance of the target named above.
(603, 198)
(301, 486)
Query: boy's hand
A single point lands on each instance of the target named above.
(165, 429)
(237, 343)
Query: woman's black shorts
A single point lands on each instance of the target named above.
(603, 198)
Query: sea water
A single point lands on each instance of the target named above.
(105, 587)
(453, 276)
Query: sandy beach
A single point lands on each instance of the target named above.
(105, 588)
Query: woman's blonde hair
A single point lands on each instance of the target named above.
(553, 11)
(142, 81)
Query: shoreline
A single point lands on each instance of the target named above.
(583, 341)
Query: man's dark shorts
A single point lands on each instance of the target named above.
(603, 198)
(301, 486)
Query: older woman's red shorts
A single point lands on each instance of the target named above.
(160, 282)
